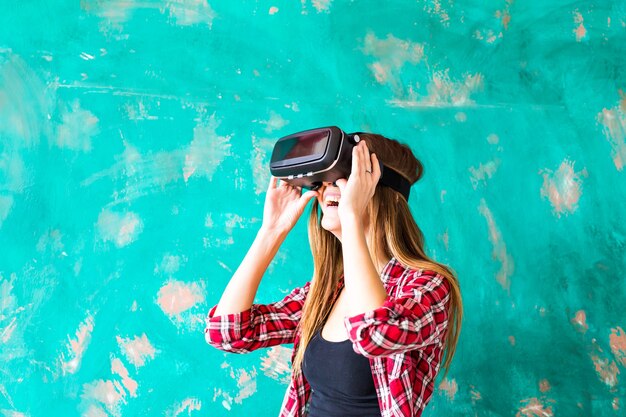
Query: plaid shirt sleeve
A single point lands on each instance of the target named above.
(417, 317)
(262, 325)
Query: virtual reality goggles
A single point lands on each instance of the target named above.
(311, 157)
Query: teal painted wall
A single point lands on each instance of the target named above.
(134, 143)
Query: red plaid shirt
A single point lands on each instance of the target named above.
(403, 338)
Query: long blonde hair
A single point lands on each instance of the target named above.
(392, 233)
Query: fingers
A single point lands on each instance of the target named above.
(273, 183)
(287, 186)
(355, 161)
(283, 184)
(290, 191)
(366, 158)
(376, 167)
(305, 198)
(364, 163)
(341, 183)
(310, 194)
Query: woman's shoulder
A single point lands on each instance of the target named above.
(417, 276)
(415, 269)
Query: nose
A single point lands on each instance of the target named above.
(323, 185)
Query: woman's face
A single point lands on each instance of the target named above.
(328, 199)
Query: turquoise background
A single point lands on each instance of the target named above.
(134, 144)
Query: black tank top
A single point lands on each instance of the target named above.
(341, 380)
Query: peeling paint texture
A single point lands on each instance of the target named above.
(135, 138)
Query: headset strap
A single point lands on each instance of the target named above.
(393, 179)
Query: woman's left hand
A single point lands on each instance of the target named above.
(358, 189)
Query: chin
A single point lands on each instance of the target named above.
(331, 225)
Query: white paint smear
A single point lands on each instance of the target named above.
(186, 406)
(391, 55)
(77, 128)
(191, 12)
(182, 12)
(275, 122)
(120, 228)
(150, 173)
(11, 413)
(259, 161)
(108, 393)
(614, 124)
(77, 346)
(206, 151)
(563, 187)
(276, 364)
(118, 368)
(176, 297)
(136, 350)
(170, 264)
(483, 172)
(443, 91)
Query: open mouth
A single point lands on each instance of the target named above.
(332, 201)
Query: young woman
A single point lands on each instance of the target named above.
(371, 327)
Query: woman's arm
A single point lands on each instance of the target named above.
(261, 325)
(283, 207)
(379, 324)
(415, 318)
(364, 289)
(242, 288)
(236, 324)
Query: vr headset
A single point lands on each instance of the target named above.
(311, 157)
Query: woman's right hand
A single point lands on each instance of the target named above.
(284, 204)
